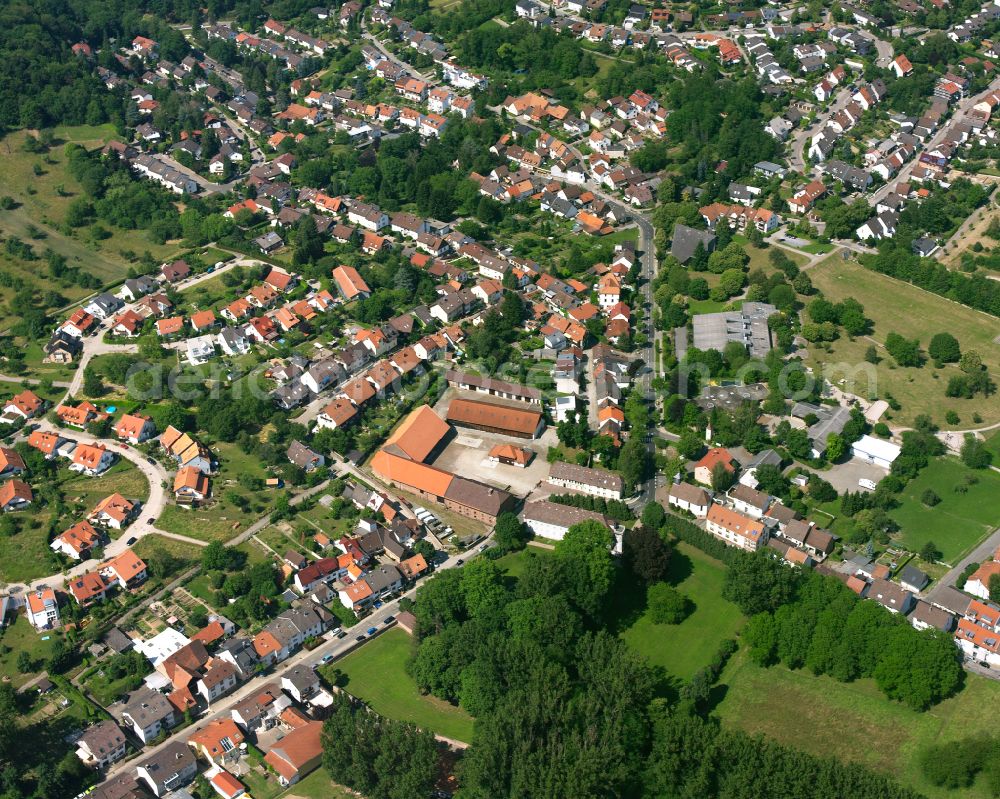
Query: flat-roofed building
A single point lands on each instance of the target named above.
(748, 326)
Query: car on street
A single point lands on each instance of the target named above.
(326, 658)
(131, 541)
(342, 634)
(151, 460)
(459, 562)
(360, 637)
(123, 446)
(371, 631)
(150, 520)
(389, 620)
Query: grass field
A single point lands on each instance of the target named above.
(222, 519)
(959, 521)
(21, 637)
(26, 555)
(760, 257)
(682, 649)
(153, 543)
(42, 202)
(377, 674)
(896, 306)
(514, 563)
(854, 721)
(317, 785)
(993, 445)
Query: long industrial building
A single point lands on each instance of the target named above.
(401, 462)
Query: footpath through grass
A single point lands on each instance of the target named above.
(854, 721)
(376, 673)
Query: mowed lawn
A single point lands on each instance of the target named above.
(317, 785)
(898, 307)
(376, 673)
(26, 555)
(960, 520)
(514, 563)
(854, 721)
(682, 649)
(21, 637)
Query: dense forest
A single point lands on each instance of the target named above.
(565, 708)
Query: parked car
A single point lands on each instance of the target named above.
(371, 631)
(360, 637)
(389, 620)
(151, 460)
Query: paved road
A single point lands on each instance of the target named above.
(981, 553)
(885, 53)
(335, 648)
(799, 142)
(32, 381)
(392, 59)
(961, 109)
(157, 477)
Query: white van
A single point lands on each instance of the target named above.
(864, 482)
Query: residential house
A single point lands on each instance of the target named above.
(171, 767)
(91, 459)
(15, 495)
(135, 428)
(127, 568)
(218, 742)
(42, 609)
(692, 499)
(78, 541)
(191, 486)
(148, 712)
(101, 744)
(297, 754)
(304, 457)
(735, 529)
(717, 456)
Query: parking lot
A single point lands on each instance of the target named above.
(844, 476)
(467, 455)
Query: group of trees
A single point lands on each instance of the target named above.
(897, 260)
(560, 703)
(376, 756)
(612, 508)
(825, 317)
(828, 629)
(956, 764)
(565, 709)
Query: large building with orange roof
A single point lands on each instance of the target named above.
(735, 529)
(402, 462)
